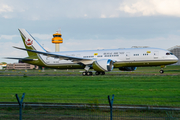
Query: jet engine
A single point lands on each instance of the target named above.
(103, 65)
(127, 68)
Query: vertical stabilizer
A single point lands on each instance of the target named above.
(30, 42)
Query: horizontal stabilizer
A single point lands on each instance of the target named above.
(25, 59)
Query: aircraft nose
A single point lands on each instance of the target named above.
(175, 58)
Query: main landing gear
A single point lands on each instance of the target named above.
(88, 73)
(100, 73)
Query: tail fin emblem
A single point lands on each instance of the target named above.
(29, 42)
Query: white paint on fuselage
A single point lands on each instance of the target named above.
(117, 55)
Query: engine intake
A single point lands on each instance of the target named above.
(103, 65)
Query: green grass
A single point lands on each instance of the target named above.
(128, 89)
(145, 86)
(169, 70)
(85, 114)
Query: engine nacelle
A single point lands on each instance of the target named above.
(127, 68)
(103, 65)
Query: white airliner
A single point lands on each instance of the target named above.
(100, 60)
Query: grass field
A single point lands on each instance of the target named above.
(142, 87)
(85, 114)
(169, 70)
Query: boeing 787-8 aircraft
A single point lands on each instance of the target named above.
(100, 60)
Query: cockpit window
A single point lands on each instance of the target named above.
(169, 53)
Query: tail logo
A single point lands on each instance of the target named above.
(29, 42)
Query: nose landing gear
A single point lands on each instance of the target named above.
(162, 71)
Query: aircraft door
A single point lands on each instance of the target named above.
(78, 55)
(127, 55)
(156, 54)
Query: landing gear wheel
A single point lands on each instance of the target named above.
(88, 73)
(161, 71)
(91, 73)
(97, 73)
(84, 73)
(102, 73)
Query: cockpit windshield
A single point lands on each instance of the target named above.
(169, 53)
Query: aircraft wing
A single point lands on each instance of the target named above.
(62, 57)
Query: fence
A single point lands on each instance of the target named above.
(85, 113)
(96, 109)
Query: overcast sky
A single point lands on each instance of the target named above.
(88, 25)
